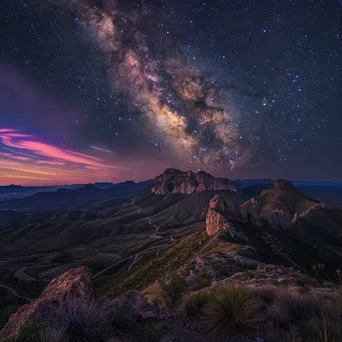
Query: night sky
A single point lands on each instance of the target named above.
(115, 90)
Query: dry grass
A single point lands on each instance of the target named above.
(278, 313)
(50, 334)
(231, 308)
(194, 303)
(82, 319)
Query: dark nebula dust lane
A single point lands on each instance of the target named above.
(240, 89)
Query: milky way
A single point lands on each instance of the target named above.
(187, 109)
(238, 88)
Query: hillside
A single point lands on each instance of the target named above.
(213, 236)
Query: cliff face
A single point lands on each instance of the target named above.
(278, 207)
(176, 181)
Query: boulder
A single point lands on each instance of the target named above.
(75, 283)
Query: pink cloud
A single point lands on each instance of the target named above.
(26, 142)
(13, 156)
(26, 161)
(46, 162)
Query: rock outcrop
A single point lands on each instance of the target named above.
(279, 206)
(77, 282)
(283, 183)
(176, 181)
(214, 222)
(221, 216)
(75, 286)
(216, 219)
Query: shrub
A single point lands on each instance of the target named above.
(173, 289)
(125, 324)
(84, 320)
(267, 294)
(230, 308)
(193, 303)
(321, 330)
(29, 333)
(290, 308)
(50, 334)
(123, 319)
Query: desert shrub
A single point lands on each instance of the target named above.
(173, 289)
(322, 330)
(123, 320)
(289, 308)
(29, 333)
(231, 308)
(274, 333)
(126, 324)
(193, 303)
(266, 294)
(84, 320)
(300, 308)
(203, 280)
(50, 334)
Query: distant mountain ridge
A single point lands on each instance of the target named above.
(176, 181)
(67, 198)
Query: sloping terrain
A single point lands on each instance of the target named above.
(67, 199)
(132, 242)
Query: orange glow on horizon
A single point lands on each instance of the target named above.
(26, 161)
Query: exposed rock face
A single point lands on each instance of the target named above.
(176, 181)
(73, 284)
(277, 219)
(283, 183)
(278, 207)
(220, 213)
(77, 282)
(214, 222)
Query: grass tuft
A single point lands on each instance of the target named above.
(194, 303)
(231, 308)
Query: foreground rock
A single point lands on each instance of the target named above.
(176, 181)
(76, 282)
(74, 285)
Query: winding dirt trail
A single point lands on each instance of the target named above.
(15, 293)
(155, 235)
(136, 259)
(109, 267)
(21, 274)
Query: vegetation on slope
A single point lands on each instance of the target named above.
(198, 244)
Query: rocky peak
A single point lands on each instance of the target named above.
(218, 203)
(283, 183)
(221, 215)
(176, 181)
(74, 287)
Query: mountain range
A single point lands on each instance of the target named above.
(131, 235)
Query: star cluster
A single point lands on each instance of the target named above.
(239, 88)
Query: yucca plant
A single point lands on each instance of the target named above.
(230, 308)
(193, 303)
(322, 330)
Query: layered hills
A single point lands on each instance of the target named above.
(204, 229)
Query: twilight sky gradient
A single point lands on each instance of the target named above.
(109, 90)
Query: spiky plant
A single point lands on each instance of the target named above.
(322, 330)
(230, 308)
